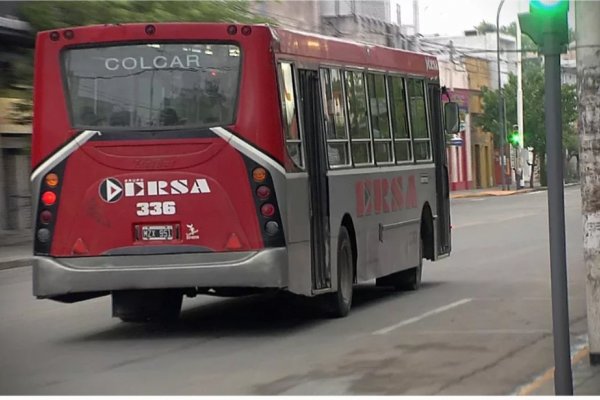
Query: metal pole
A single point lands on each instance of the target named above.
(563, 380)
(522, 151)
(500, 99)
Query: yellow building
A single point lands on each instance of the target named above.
(482, 143)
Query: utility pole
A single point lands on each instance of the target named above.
(501, 127)
(523, 150)
(587, 15)
(416, 24)
(547, 25)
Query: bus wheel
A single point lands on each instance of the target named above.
(409, 279)
(337, 305)
(156, 305)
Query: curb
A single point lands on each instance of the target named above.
(493, 193)
(19, 262)
(498, 193)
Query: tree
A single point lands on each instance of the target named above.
(533, 113)
(485, 27)
(587, 14)
(43, 15)
(46, 15)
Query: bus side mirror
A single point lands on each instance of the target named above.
(451, 118)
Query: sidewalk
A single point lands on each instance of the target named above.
(463, 194)
(586, 378)
(497, 191)
(15, 249)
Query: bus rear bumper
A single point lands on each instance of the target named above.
(257, 269)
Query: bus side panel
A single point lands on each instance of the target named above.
(297, 224)
(385, 208)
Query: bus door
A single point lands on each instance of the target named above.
(316, 162)
(441, 171)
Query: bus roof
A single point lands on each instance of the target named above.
(350, 53)
(294, 43)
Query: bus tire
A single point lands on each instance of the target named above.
(338, 304)
(407, 280)
(156, 305)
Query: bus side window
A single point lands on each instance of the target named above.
(289, 110)
(335, 120)
(358, 118)
(380, 122)
(402, 142)
(418, 120)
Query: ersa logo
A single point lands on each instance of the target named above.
(385, 195)
(112, 190)
(431, 64)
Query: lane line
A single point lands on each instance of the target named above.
(412, 320)
(485, 332)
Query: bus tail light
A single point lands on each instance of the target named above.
(45, 217)
(51, 180)
(43, 235)
(49, 198)
(233, 243)
(47, 208)
(267, 210)
(232, 29)
(265, 200)
(259, 175)
(272, 228)
(263, 192)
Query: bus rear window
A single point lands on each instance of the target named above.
(152, 85)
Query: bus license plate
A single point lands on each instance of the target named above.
(157, 232)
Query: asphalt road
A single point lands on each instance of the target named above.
(481, 324)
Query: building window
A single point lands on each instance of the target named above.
(357, 118)
(335, 119)
(289, 109)
(380, 120)
(418, 120)
(402, 142)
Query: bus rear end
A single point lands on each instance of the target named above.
(147, 181)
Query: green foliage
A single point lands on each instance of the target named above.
(44, 15)
(485, 27)
(533, 117)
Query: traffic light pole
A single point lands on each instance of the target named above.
(563, 380)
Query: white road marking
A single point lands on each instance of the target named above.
(487, 332)
(409, 321)
(538, 192)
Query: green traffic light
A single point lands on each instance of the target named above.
(549, 6)
(547, 18)
(514, 139)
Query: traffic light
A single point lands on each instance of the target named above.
(546, 17)
(514, 138)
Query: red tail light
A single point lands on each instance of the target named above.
(267, 210)
(45, 217)
(49, 198)
(263, 192)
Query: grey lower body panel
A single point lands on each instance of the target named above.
(59, 276)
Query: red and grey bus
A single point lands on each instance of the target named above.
(173, 159)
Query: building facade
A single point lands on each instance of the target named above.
(15, 138)
(483, 46)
